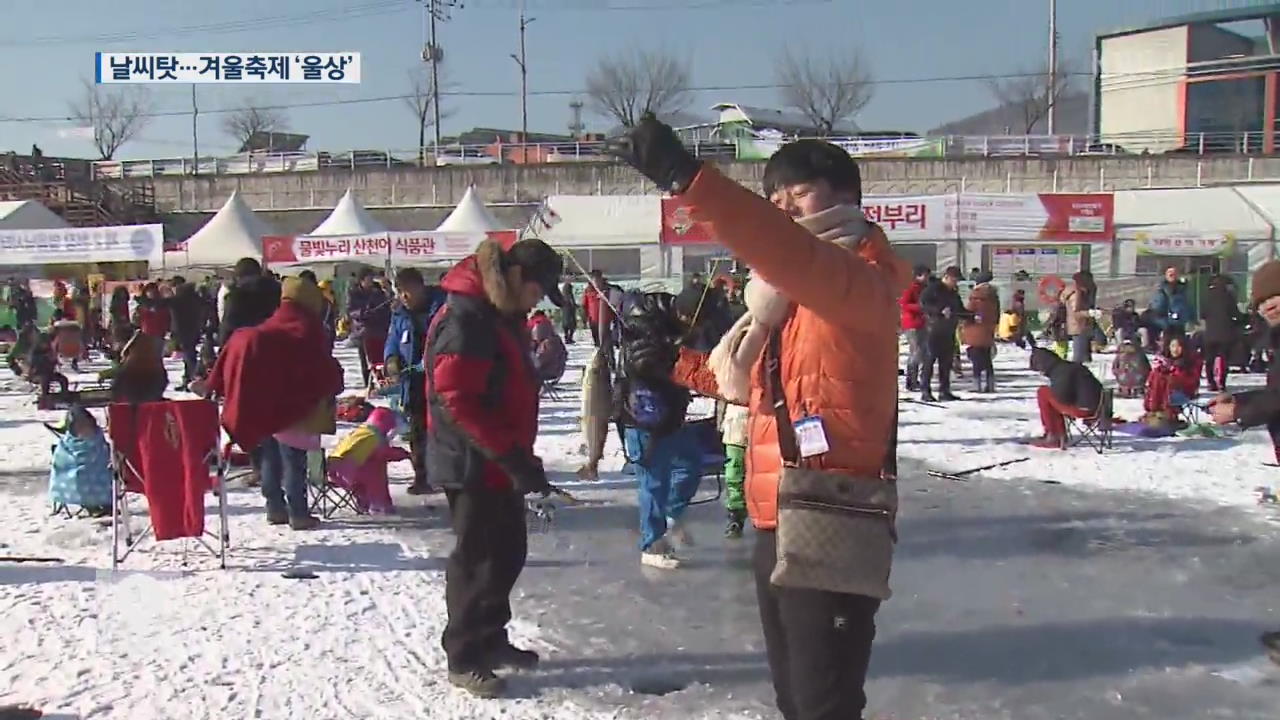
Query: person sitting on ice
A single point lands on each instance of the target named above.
(550, 356)
(140, 377)
(1072, 391)
(1173, 382)
(20, 351)
(1130, 368)
(80, 471)
(1055, 330)
(359, 462)
(68, 342)
(41, 365)
(1125, 322)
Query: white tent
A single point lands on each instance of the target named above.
(29, 215)
(470, 216)
(349, 218)
(233, 233)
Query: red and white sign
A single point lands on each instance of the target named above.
(409, 247)
(287, 249)
(909, 217)
(1029, 216)
(679, 227)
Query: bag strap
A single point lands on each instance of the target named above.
(787, 443)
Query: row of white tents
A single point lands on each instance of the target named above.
(236, 231)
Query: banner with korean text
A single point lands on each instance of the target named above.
(121, 243)
(302, 249)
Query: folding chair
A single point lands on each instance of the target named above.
(550, 390)
(1094, 429)
(180, 435)
(329, 495)
(713, 455)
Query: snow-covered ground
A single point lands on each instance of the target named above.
(1134, 589)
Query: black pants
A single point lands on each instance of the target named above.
(1217, 377)
(364, 361)
(819, 643)
(942, 350)
(982, 362)
(417, 436)
(595, 334)
(488, 555)
(568, 334)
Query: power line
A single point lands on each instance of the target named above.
(515, 93)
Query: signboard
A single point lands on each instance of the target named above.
(122, 243)
(1035, 216)
(1065, 260)
(909, 217)
(378, 248)
(1184, 243)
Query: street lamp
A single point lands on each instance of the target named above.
(524, 78)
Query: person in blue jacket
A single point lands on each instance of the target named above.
(402, 359)
(1170, 309)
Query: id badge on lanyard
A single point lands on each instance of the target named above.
(811, 437)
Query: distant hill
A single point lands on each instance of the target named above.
(1073, 119)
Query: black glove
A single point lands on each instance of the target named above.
(653, 148)
(525, 471)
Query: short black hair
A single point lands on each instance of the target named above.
(922, 270)
(953, 271)
(410, 276)
(364, 272)
(309, 276)
(805, 161)
(177, 280)
(247, 267)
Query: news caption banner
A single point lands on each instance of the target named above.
(247, 67)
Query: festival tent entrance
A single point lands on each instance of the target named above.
(471, 216)
(349, 218)
(234, 232)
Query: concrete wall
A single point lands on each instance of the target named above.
(1140, 88)
(515, 185)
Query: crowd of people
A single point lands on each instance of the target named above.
(804, 375)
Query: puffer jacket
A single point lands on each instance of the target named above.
(912, 314)
(1079, 321)
(839, 357)
(984, 303)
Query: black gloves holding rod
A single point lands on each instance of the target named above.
(525, 471)
(652, 148)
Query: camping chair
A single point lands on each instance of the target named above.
(1189, 411)
(140, 435)
(327, 496)
(713, 455)
(550, 390)
(1094, 429)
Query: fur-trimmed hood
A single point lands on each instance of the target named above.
(484, 275)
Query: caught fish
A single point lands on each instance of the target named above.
(597, 406)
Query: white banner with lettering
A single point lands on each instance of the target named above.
(120, 243)
(911, 217)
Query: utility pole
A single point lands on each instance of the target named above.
(436, 11)
(1052, 88)
(524, 78)
(195, 134)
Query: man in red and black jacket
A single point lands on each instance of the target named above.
(482, 399)
(913, 322)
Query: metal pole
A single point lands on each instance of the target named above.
(1052, 89)
(524, 82)
(435, 75)
(195, 135)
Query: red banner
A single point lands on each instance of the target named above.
(376, 249)
(679, 227)
(1031, 216)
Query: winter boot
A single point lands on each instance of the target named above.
(481, 683)
(737, 521)
(990, 383)
(660, 555)
(420, 488)
(507, 655)
(277, 517)
(304, 522)
(947, 396)
(926, 395)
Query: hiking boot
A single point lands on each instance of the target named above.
(481, 683)
(277, 517)
(946, 396)
(304, 522)
(679, 534)
(928, 397)
(733, 528)
(420, 488)
(1050, 442)
(660, 555)
(507, 655)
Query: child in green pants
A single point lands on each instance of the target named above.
(733, 431)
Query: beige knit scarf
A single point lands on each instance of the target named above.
(737, 352)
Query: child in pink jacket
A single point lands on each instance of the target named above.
(359, 462)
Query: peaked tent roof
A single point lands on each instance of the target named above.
(349, 218)
(232, 233)
(29, 215)
(470, 216)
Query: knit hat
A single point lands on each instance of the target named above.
(1266, 282)
(384, 419)
(302, 292)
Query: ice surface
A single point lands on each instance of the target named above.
(1135, 589)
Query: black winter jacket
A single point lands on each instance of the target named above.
(935, 298)
(249, 302)
(188, 311)
(1071, 383)
(1221, 314)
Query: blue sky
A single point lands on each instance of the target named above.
(47, 46)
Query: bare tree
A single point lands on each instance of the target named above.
(828, 90)
(243, 124)
(421, 102)
(116, 115)
(626, 86)
(1029, 94)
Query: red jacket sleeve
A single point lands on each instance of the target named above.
(910, 300)
(460, 382)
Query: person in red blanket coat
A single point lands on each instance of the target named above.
(482, 419)
(1174, 379)
(595, 307)
(278, 380)
(913, 322)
